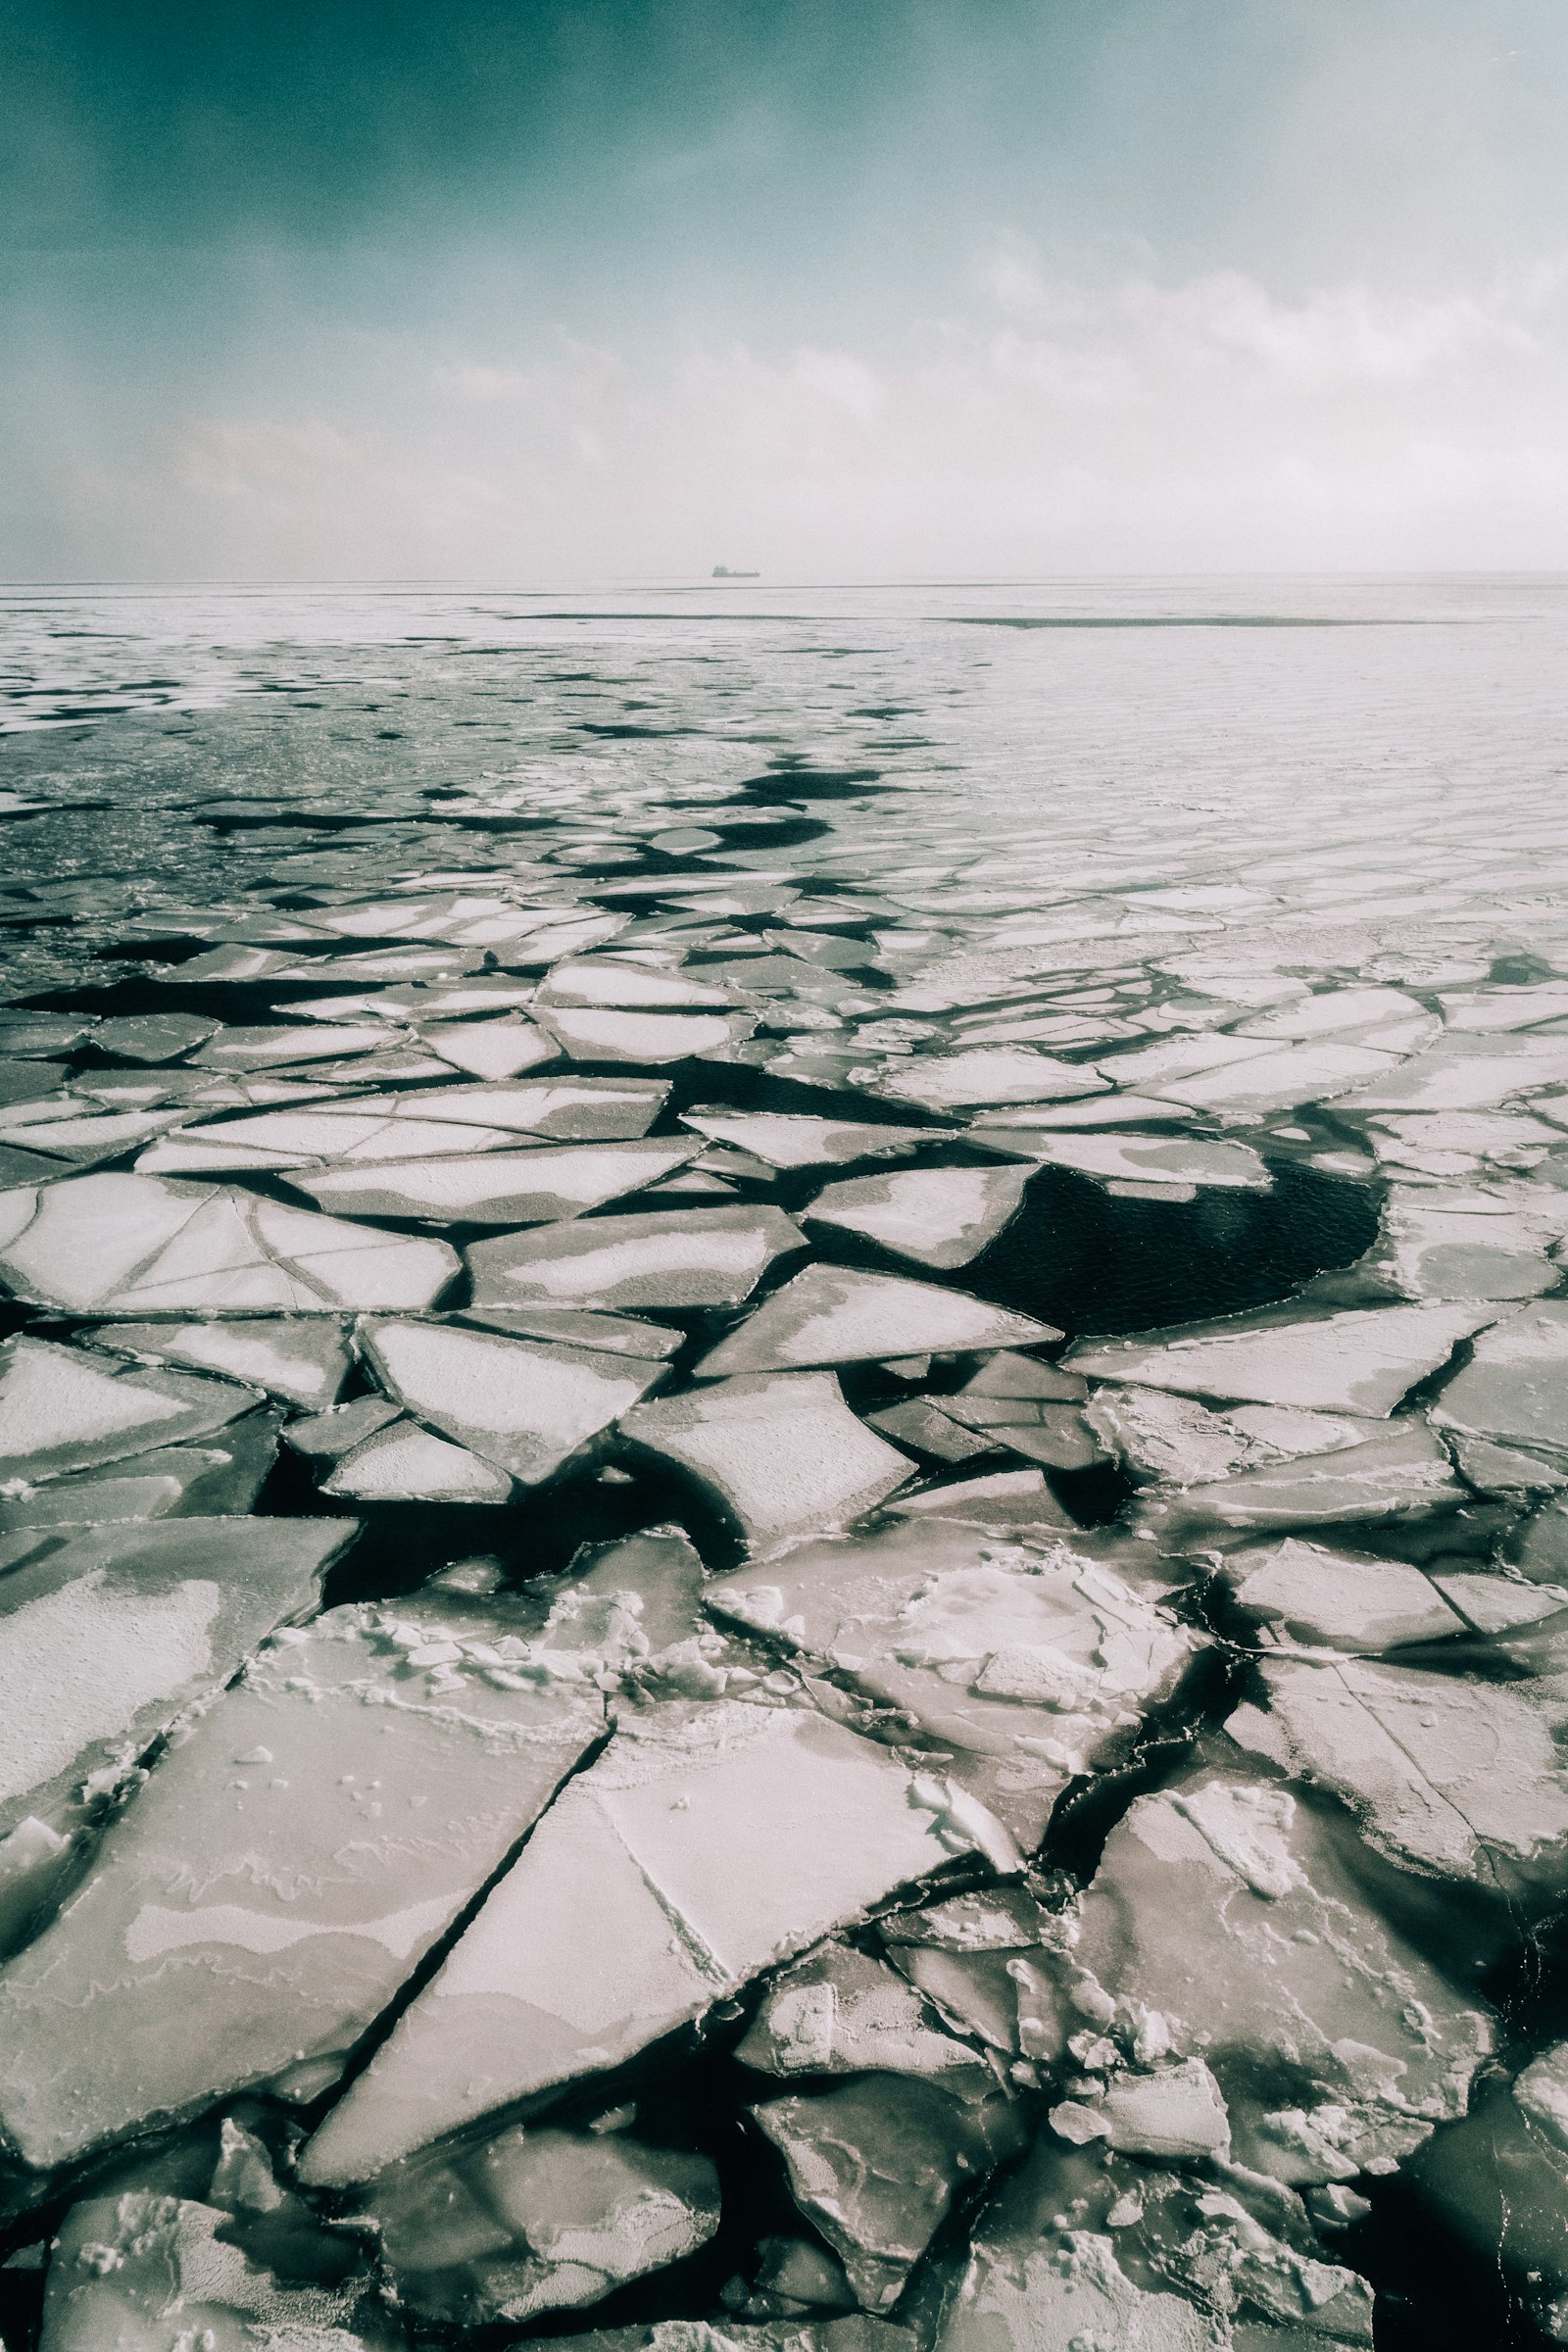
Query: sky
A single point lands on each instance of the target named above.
(535, 292)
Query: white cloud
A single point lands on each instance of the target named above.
(1129, 422)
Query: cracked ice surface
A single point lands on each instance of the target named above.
(783, 1561)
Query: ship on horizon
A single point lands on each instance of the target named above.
(722, 571)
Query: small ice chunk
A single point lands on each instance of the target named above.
(531, 2222)
(780, 1454)
(937, 1216)
(877, 2162)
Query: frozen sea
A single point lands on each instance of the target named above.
(784, 1466)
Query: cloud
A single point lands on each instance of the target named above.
(1133, 422)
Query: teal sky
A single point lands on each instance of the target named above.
(514, 290)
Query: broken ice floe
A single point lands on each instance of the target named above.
(1222, 1924)
(780, 1457)
(662, 1260)
(304, 1363)
(105, 1636)
(1359, 1361)
(877, 2162)
(524, 1407)
(793, 1140)
(1458, 1778)
(626, 1915)
(837, 1315)
(1021, 1661)
(126, 1244)
(69, 1408)
(498, 1188)
(536, 2220)
(940, 1217)
(285, 1867)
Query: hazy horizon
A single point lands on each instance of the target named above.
(541, 293)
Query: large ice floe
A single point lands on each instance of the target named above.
(764, 1597)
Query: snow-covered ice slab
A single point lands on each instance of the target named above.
(1471, 1244)
(124, 1245)
(106, 1635)
(1021, 1660)
(838, 1315)
(591, 1034)
(401, 1462)
(705, 1846)
(1148, 1159)
(1403, 1473)
(795, 1140)
(1343, 1600)
(1225, 1910)
(1452, 1777)
(1360, 1361)
(521, 1405)
(1467, 1073)
(1265, 1082)
(530, 2221)
(939, 1217)
(634, 987)
(70, 1408)
(1515, 1386)
(500, 1187)
(304, 1363)
(285, 1869)
(489, 1049)
(782, 1456)
(669, 1259)
(990, 1074)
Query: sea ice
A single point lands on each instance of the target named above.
(70, 1408)
(124, 1245)
(838, 1315)
(670, 1259)
(304, 1363)
(938, 1216)
(534, 2221)
(107, 1635)
(1223, 1911)
(1359, 1361)
(287, 1867)
(878, 2163)
(1514, 1388)
(781, 1455)
(793, 1140)
(1345, 1601)
(705, 1846)
(525, 1407)
(1456, 1778)
(589, 1034)
(990, 1074)
(500, 1187)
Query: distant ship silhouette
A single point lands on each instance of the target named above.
(722, 571)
